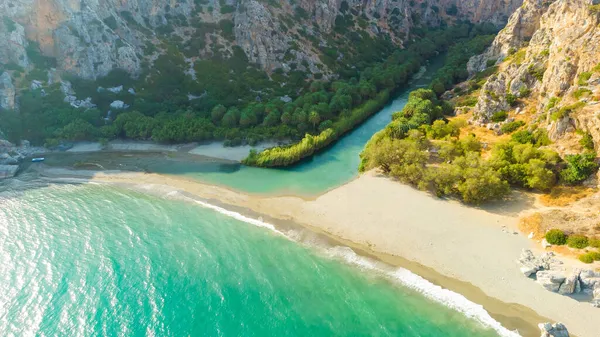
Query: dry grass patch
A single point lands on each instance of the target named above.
(566, 251)
(532, 224)
(565, 195)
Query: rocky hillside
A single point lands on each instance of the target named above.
(548, 70)
(90, 38)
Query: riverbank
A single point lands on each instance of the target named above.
(464, 249)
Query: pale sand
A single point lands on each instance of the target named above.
(383, 216)
(213, 150)
(237, 153)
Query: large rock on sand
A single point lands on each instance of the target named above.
(530, 264)
(556, 330)
(589, 279)
(571, 284)
(551, 280)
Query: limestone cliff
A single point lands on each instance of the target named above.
(89, 38)
(549, 69)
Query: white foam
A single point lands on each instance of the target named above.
(231, 214)
(434, 292)
(405, 277)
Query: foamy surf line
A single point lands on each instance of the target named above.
(434, 292)
(231, 214)
(405, 277)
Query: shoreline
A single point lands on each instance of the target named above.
(483, 267)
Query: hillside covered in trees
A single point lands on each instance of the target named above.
(194, 79)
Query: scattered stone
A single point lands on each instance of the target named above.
(556, 330)
(545, 243)
(131, 91)
(530, 236)
(529, 263)
(35, 84)
(67, 88)
(115, 90)
(119, 105)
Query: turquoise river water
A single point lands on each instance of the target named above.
(99, 260)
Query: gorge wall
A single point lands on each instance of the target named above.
(89, 38)
(548, 60)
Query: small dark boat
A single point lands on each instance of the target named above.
(37, 160)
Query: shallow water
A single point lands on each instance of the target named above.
(90, 260)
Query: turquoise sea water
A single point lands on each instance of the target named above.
(89, 260)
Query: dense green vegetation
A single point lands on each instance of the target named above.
(422, 149)
(232, 99)
(390, 76)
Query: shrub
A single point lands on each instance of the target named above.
(577, 241)
(511, 99)
(566, 111)
(584, 77)
(586, 258)
(511, 126)
(594, 243)
(587, 141)
(499, 116)
(552, 103)
(523, 137)
(589, 257)
(538, 73)
(579, 167)
(524, 92)
(581, 92)
(556, 237)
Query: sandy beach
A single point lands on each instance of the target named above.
(212, 150)
(460, 248)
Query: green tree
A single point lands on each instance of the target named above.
(230, 119)
(217, 113)
(314, 118)
(286, 118)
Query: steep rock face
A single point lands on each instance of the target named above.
(520, 28)
(15, 43)
(494, 11)
(7, 92)
(89, 38)
(553, 72)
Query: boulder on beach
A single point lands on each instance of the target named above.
(551, 280)
(571, 284)
(553, 330)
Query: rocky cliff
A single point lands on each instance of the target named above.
(90, 38)
(548, 60)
